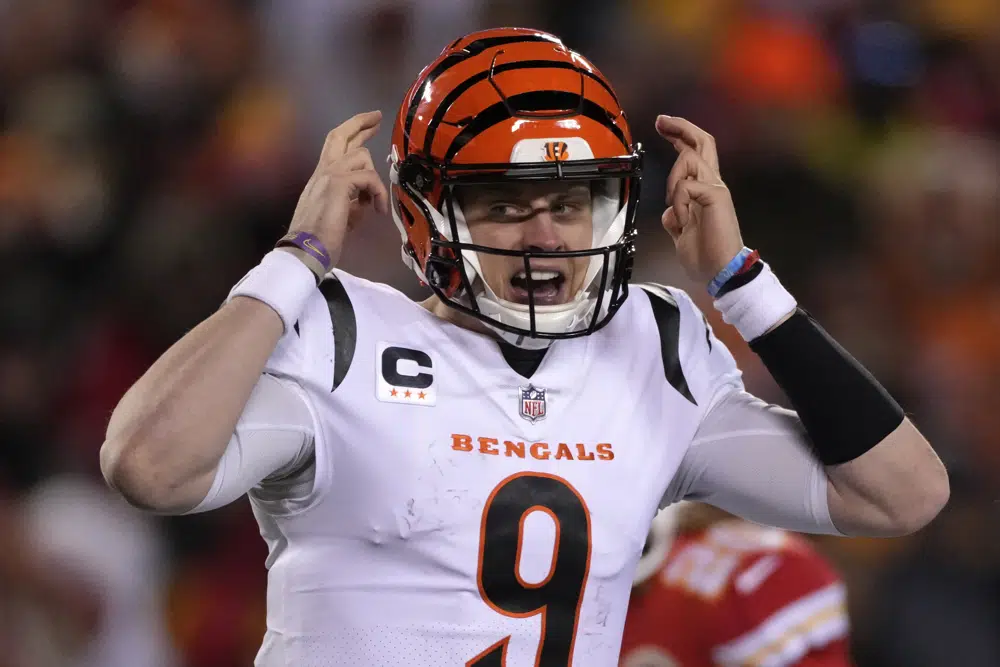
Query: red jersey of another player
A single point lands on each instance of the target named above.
(738, 595)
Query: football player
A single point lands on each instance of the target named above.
(712, 590)
(469, 480)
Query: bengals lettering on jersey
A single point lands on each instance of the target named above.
(537, 450)
(738, 595)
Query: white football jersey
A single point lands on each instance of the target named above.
(462, 514)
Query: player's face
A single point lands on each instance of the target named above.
(531, 216)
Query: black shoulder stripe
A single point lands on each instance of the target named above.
(345, 327)
(668, 320)
(537, 100)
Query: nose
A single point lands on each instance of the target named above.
(540, 232)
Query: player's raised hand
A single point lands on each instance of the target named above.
(700, 215)
(343, 184)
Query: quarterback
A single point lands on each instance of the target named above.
(712, 590)
(469, 480)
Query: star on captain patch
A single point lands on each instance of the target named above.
(532, 403)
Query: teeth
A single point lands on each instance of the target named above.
(538, 275)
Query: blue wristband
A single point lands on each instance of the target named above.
(728, 271)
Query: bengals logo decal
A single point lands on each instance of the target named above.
(556, 151)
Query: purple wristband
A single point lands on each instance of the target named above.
(309, 244)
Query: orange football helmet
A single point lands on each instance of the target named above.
(504, 105)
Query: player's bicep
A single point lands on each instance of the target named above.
(753, 460)
(273, 444)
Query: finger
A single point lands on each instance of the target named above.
(368, 184)
(358, 159)
(703, 194)
(679, 131)
(339, 138)
(363, 136)
(689, 165)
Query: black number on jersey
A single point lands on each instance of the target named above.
(559, 595)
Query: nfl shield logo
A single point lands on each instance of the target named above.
(532, 403)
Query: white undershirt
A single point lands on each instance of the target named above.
(753, 460)
(271, 449)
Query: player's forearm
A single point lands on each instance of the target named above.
(884, 479)
(170, 429)
(895, 488)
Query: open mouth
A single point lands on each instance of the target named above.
(548, 287)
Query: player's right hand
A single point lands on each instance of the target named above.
(343, 184)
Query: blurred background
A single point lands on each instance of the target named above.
(151, 151)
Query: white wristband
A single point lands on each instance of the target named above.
(757, 306)
(281, 281)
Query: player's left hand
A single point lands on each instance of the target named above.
(700, 215)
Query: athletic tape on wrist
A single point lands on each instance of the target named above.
(281, 281)
(757, 306)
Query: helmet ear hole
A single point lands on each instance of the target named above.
(443, 272)
(435, 276)
(417, 175)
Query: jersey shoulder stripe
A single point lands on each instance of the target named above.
(667, 315)
(345, 326)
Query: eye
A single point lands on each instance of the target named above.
(564, 207)
(568, 209)
(502, 211)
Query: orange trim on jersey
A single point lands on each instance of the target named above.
(489, 651)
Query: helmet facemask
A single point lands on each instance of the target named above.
(454, 260)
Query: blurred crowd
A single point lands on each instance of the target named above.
(151, 151)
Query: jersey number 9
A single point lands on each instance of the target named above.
(559, 595)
